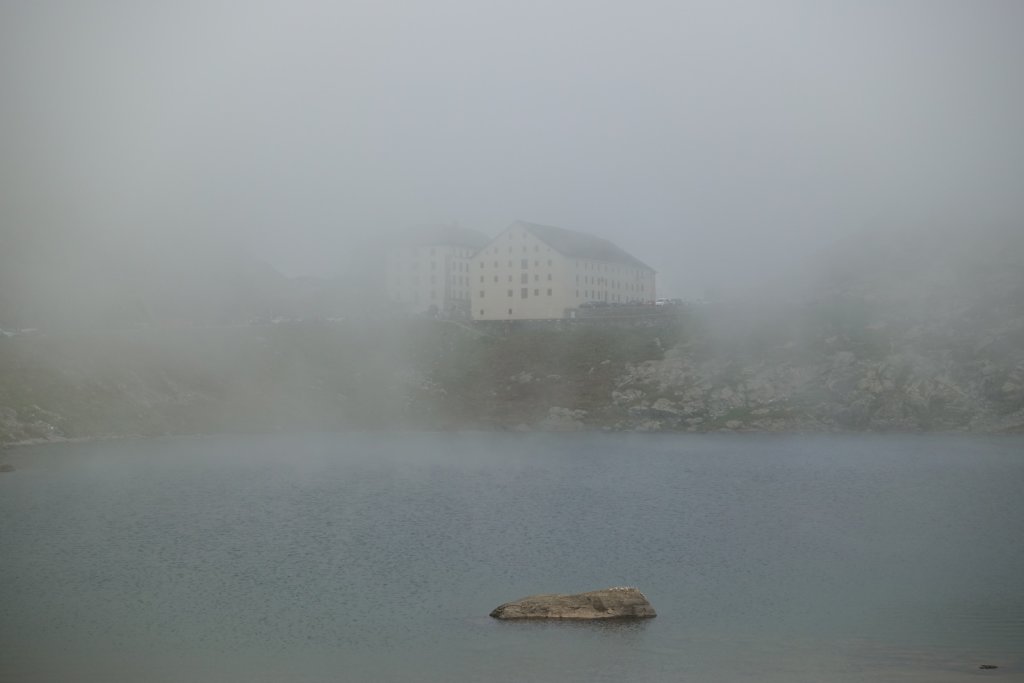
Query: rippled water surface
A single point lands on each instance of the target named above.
(378, 557)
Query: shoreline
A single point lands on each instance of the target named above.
(8, 447)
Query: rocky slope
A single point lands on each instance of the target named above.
(900, 342)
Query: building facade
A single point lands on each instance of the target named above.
(538, 272)
(429, 270)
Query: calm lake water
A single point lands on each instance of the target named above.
(378, 558)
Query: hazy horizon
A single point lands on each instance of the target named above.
(719, 142)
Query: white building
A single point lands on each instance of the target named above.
(536, 272)
(429, 271)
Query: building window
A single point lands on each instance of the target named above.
(481, 294)
(524, 278)
(536, 292)
(481, 312)
(549, 263)
(549, 277)
(549, 291)
(481, 279)
(510, 311)
(510, 292)
(536, 263)
(536, 277)
(525, 263)
(433, 294)
(495, 264)
(524, 293)
(510, 278)
(577, 294)
(495, 278)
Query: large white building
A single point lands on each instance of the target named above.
(536, 272)
(429, 270)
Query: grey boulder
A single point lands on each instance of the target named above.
(609, 603)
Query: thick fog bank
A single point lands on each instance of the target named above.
(887, 334)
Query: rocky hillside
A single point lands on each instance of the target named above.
(892, 338)
(896, 333)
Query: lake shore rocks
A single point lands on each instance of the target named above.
(609, 603)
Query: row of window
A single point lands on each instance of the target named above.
(603, 281)
(605, 268)
(523, 278)
(523, 293)
(523, 263)
(594, 295)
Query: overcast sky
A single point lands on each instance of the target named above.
(717, 141)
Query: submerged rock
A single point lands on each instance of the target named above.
(609, 603)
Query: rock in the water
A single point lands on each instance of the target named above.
(610, 603)
(6, 467)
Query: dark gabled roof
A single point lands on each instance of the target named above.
(581, 245)
(447, 236)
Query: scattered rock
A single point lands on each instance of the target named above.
(649, 426)
(609, 603)
(563, 420)
(663, 405)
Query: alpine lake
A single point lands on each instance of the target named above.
(377, 557)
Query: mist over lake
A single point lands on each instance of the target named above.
(326, 328)
(378, 557)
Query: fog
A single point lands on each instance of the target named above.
(840, 181)
(295, 473)
(720, 142)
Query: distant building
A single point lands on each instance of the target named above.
(428, 270)
(536, 272)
